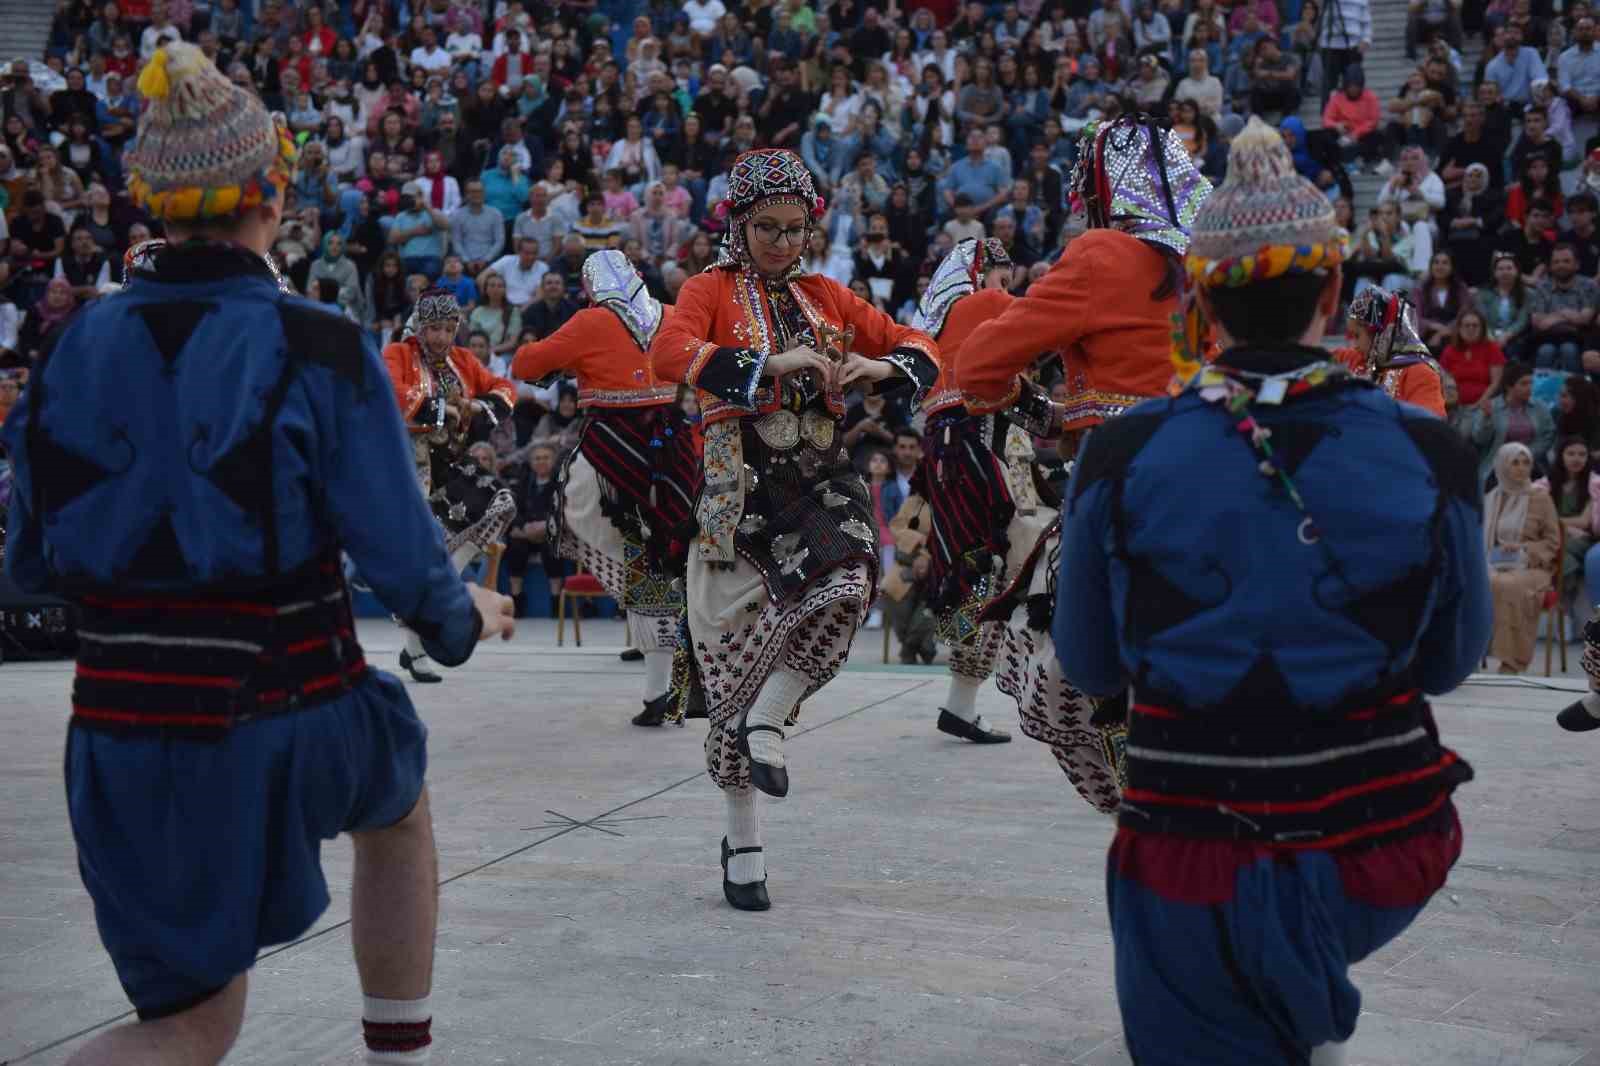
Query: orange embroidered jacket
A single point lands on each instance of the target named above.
(594, 344)
(1096, 308)
(964, 316)
(1417, 384)
(414, 387)
(722, 332)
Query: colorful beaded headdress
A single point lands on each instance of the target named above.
(759, 178)
(959, 274)
(436, 305)
(1392, 320)
(613, 283)
(206, 148)
(1137, 177)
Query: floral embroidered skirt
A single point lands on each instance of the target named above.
(651, 599)
(740, 637)
(474, 507)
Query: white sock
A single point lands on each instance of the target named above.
(744, 831)
(962, 700)
(462, 557)
(657, 673)
(414, 644)
(397, 1030)
(776, 700)
(1591, 703)
(1330, 1055)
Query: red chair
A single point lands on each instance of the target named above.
(580, 586)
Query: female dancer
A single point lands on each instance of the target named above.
(627, 489)
(786, 558)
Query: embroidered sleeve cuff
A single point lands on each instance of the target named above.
(1033, 412)
(729, 374)
(916, 368)
(496, 406)
(980, 406)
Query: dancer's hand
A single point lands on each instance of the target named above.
(498, 612)
(798, 358)
(861, 371)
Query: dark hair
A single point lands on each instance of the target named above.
(1514, 372)
(1580, 421)
(1277, 311)
(1558, 470)
(907, 431)
(1583, 199)
(1540, 203)
(1547, 192)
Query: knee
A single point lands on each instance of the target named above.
(208, 1029)
(413, 832)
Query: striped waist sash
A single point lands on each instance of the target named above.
(1359, 775)
(201, 663)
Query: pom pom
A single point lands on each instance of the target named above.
(722, 209)
(153, 81)
(819, 207)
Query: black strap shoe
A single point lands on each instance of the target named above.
(1577, 719)
(773, 780)
(631, 655)
(655, 711)
(750, 897)
(418, 669)
(979, 731)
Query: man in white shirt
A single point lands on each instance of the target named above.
(160, 31)
(522, 272)
(703, 15)
(429, 56)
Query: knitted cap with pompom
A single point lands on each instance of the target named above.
(1263, 202)
(206, 148)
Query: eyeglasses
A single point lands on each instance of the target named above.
(771, 234)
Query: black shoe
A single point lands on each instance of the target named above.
(655, 711)
(631, 655)
(420, 674)
(1577, 719)
(773, 780)
(751, 897)
(979, 732)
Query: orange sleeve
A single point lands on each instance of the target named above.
(482, 384)
(397, 361)
(877, 335)
(1352, 360)
(1420, 385)
(1056, 311)
(562, 350)
(686, 351)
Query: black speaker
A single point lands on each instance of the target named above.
(35, 627)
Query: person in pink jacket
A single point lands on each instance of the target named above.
(1355, 113)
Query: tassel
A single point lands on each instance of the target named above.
(153, 81)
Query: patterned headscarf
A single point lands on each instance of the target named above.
(1138, 177)
(1392, 318)
(758, 178)
(613, 283)
(434, 305)
(959, 274)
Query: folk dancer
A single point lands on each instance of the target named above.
(449, 400)
(627, 491)
(1288, 801)
(1107, 306)
(786, 559)
(1387, 349)
(977, 476)
(191, 459)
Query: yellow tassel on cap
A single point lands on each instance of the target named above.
(153, 81)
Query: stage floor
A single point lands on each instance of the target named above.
(934, 902)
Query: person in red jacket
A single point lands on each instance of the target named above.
(1354, 114)
(448, 400)
(1388, 350)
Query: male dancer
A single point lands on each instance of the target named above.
(449, 400)
(628, 490)
(983, 525)
(1287, 809)
(1387, 349)
(1107, 305)
(190, 461)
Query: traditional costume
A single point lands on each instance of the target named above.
(1287, 810)
(448, 400)
(786, 557)
(1397, 360)
(627, 491)
(1107, 306)
(977, 475)
(191, 459)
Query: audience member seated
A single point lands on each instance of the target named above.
(1521, 537)
(1472, 216)
(1562, 310)
(1439, 299)
(1512, 416)
(1473, 361)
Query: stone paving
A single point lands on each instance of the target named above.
(933, 902)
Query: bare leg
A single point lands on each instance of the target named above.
(199, 1036)
(394, 906)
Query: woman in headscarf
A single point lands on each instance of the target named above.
(627, 491)
(1107, 306)
(1470, 220)
(1521, 538)
(786, 558)
(1386, 349)
(46, 318)
(339, 269)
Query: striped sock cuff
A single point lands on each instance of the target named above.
(397, 1030)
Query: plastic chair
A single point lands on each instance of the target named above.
(1555, 615)
(580, 586)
